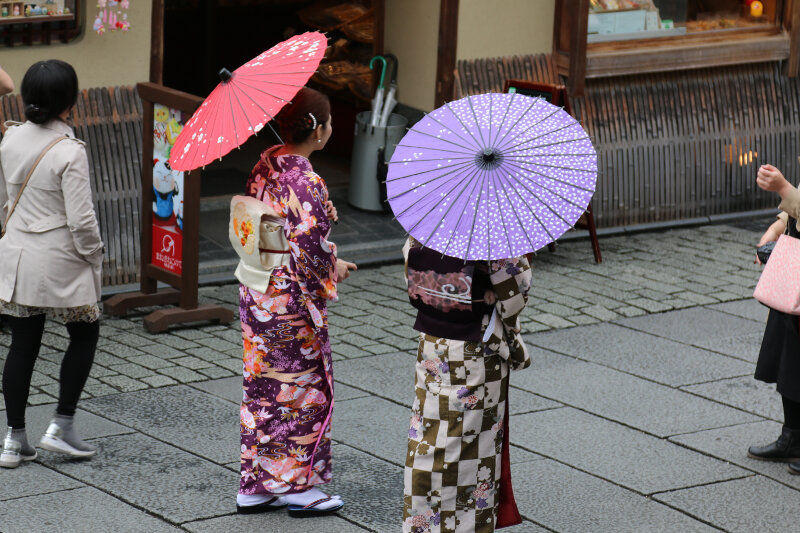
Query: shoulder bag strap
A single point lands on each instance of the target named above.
(28, 177)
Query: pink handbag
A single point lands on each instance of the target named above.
(779, 285)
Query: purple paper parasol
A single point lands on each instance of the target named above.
(492, 176)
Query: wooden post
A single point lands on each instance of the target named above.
(157, 43)
(380, 20)
(577, 49)
(448, 39)
(793, 18)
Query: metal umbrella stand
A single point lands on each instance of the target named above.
(373, 146)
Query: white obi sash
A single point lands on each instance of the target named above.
(256, 233)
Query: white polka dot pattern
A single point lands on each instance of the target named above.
(492, 176)
(242, 106)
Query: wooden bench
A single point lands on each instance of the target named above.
(110, 121)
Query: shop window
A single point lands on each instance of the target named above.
(624, 20)
(43, 22)
(602, 38)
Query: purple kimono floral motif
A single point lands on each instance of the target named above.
(288, 382)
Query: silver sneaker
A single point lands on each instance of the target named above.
(12, 454)
(53, 440)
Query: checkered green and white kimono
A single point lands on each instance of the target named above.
(456, 433)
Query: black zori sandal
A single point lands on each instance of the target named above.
(303, 511)
(265, 507)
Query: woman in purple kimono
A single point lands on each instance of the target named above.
(288, 382)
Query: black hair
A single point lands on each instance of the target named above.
(48, 89)
(299, 118)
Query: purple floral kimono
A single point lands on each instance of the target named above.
(288, 381)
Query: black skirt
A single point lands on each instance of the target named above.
(779, 358)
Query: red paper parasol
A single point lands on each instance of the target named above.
(246, 100)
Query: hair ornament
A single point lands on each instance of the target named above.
(314, 121)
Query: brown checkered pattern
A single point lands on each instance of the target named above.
(455, 438)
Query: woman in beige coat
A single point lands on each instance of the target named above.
(50, 256)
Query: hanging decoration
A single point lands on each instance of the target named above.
(112, 16)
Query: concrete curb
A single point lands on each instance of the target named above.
(220, 272)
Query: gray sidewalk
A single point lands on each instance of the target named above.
(636, 415)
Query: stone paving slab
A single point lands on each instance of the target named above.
(742, 505)
(731, 444)
(635, 402)
(229, 389)
(167, 415)
(154, 476)
(84, 510)
(749, 308)
(388, 376)
(379, 508)
(373, 425)
(745, 393)
(31, 479)
(521, 401)
(277, 521)
(91, 426)
(662, 360)
(613, 452)
(566, 500)
(705, 328)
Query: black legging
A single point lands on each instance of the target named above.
(26, 339)
(791, 413)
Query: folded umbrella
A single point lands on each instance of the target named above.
(377, 102)
(246, 100)
(391, 99)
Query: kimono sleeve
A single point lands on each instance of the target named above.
(511, 281)
(313, 257)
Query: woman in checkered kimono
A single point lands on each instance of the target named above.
(468, 318)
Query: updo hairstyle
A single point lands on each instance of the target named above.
(298, 119)
(48, 89)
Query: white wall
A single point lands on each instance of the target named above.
(496, 28)
(412, 34)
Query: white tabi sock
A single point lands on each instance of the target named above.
(312, 495)
(246, 500)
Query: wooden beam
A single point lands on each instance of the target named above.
(687, 54)
(446, 63)
(157, 43)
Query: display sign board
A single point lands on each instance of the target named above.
(168, 189)
(170, 219)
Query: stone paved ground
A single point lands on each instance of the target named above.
(635, 417)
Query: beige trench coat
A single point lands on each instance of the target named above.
(51, 254)
(790, 207)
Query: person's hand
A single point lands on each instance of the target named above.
(343, 269)
(771, 179)
(330, 210)
(772, 234)
(489, 297)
